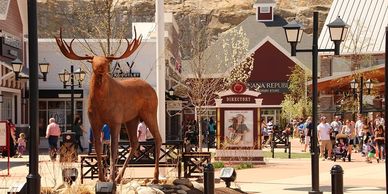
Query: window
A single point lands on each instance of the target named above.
(265, 9)
(6, 108)
(60, 110)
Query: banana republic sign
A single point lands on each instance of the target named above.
(269, 87)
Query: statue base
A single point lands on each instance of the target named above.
(237, 156)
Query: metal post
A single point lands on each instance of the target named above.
(33, 178)
(314, 140)
(386, 106)
(337, 181)
(72, 97)
(208, 182)
(361, 94)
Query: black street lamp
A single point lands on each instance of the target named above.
(17, 67)
(65, 76)
(33, 177)
(293, 30)
(354, 86)
(386, 105)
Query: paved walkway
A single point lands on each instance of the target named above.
(278, 176)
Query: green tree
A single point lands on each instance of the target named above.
(296, 102)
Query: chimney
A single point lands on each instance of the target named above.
(264, 10)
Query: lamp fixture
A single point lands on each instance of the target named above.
(17, 67)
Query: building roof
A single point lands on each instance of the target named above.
(367, 20)
(265, 1)
(256, 32)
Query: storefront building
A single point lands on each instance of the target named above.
(362, 58)
(272, 61)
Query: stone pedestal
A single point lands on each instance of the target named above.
(240, 155)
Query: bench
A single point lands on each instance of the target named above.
(89, 168)
(170, 156)
(193, 163)
(280, 140)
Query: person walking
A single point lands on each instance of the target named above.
(324, 130)
(380, 142)
(359, 132)
(21, 144)
(52, 134)
(212, 132)
(79, 131)
(307, 133)
(91, 139)
(350, 132)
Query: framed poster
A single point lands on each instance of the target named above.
(239, 128)
(3, 134)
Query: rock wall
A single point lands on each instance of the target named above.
(214, 17)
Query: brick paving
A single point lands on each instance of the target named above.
(285, 176)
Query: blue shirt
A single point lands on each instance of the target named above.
(106, 132)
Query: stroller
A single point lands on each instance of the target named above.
(340, 149)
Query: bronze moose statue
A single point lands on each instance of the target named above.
(115, 103)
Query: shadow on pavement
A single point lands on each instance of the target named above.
(328, 189)
(4, 164)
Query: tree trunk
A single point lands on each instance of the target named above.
(199, 132)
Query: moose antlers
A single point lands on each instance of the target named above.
(67, 49)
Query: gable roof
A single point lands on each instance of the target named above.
(367, 20)
(256, 32)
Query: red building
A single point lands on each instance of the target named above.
(272, 60)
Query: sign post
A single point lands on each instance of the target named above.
(4, 142)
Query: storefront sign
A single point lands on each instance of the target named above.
(174, 105)
(240, 99)
(269, 87)
(10, 40)
(3, 134)
(119, 72)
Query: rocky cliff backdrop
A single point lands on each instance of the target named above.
(215, 16)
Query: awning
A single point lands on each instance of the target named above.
(343, 80)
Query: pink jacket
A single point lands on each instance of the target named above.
(53, 130)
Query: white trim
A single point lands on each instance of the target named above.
(265, 11)
(271, 106)
(278, 46)
(48, 40)
(257, 104)
(264, 20)
(264, 4)
(11, 90)
(348, 73)
(4, 16)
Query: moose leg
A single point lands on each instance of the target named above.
(115, 130)
(152, 124)
(132, 135)
(96, 127)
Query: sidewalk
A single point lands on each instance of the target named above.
(278, 176)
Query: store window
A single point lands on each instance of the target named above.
(59, 110)
(6, 108)
(274, 114)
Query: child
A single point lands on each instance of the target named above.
(372, 151)
(21, 144)
(341, 146)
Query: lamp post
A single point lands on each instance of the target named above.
(338, 29)
(65, 76)
(354, 86)
(386, 105)
(33, 177)
(17, 67)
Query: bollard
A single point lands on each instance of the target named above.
(337, 181)
(208, 182)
